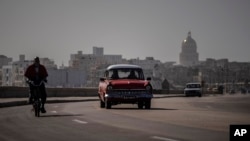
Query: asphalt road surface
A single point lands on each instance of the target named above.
(170, 119)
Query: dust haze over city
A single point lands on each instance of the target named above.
(131, 28)
(128, 70)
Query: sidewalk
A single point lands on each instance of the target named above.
(9, 102)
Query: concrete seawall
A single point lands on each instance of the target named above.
(21, 92)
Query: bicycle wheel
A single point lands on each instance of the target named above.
(35, 108)
(38, 109)
(37, 103)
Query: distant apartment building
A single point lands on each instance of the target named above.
(48, 63)
(7, 79)
(66, 78)
(13, 74)
(85, 61)
(89, 63)
(4, 60)
(148, 65)
(98, 51)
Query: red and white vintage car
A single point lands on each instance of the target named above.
(125, 83)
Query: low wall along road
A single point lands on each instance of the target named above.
(21, 92)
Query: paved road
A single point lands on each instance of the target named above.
(170, 119)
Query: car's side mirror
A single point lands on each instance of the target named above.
(102, 79)
(149, 78)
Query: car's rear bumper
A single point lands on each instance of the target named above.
(128, 97)
(192, 92)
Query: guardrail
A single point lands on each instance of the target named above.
(21, 92)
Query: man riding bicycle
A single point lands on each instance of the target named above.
(36, 73)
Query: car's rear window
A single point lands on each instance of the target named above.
(125, 73)
(193, 86)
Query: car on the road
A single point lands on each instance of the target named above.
(193, 89)
(125, 83)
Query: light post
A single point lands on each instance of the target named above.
(224, 77)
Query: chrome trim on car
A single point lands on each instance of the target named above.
(122, 93)
(137, 96)
(114, 91)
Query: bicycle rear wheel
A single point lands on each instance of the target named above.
(37, 108)
(37, 104)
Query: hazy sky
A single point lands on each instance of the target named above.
(132, 28)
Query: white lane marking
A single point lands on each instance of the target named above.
(56, 106)
(53, 112)
(162, 138)
(79, 121)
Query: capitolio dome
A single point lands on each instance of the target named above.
(189, 55)
(189, 41)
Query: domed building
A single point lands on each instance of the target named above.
(189, 55)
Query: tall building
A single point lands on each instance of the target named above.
(89, 63)
(189, 55)
(98, 51)
(4, 60)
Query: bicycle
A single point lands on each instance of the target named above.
(37, 97)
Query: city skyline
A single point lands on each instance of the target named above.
(140, 28)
